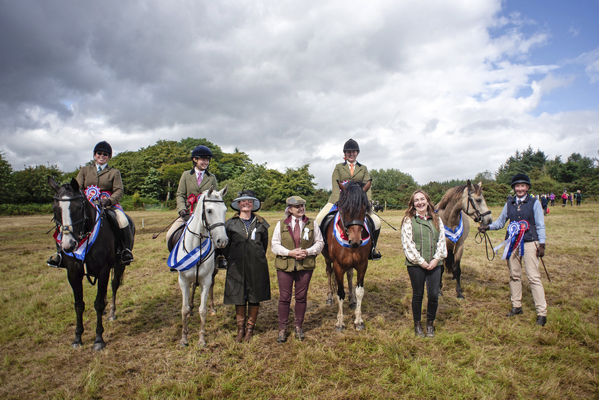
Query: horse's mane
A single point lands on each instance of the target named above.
(455, 194)
(352, 199)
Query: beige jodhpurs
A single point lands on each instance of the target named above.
(178, 222)
(531, 266)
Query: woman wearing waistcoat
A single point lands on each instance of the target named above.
(524, 207)
(296, 242)
(351, 170)
(423, 241)
(247, 282)
(107, 179)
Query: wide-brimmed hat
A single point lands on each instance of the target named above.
(246, 195)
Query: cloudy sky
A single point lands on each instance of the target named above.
(438, 89)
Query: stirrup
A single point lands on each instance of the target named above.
(126, 256)
(55, 262)
(375, 254)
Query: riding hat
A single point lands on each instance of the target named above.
(246, 195)
(103, 146)
(350, 145)
(201, 151)
(520, 178)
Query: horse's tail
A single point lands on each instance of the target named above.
(449, 261)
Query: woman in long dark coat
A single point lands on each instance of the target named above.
(248, 282)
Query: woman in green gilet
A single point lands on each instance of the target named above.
(423, 241)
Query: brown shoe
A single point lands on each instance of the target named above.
(299, 333)
(251, 323)
(240, 310)
(282, 338)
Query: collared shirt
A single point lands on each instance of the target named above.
(101, 167)
(199, 174)
(277, 248)
(499, 223)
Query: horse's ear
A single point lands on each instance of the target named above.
(52, 183)
(480, 185)
(75, 184)
(210, 190)
(470, 188)
(341, 185)
(367, 186)
(223, 191)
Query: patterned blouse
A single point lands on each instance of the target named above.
(409, 247)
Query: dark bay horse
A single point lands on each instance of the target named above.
(341, 258)
(87, 235)
(460, 201)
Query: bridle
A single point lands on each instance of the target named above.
(478, 217)
(64, 229)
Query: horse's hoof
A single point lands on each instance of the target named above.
(212, 312)
(201, 343)
(329, 302)
(99, 346)
(112, 318)
(461, 296)
(352, 306)
(360, 326)
(183, 344)
(76, 344)
(339, 328)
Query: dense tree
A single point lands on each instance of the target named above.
(522, 162)
(152, 187)
(390, 180)
(31, 184)
(6, 186)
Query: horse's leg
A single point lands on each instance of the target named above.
(76, 282)
(117, 277)
(185, 307)
(329, 301)
(358, 322)
(206, 290)
(457, 271)
(212, 310)
(339, 326)
(100, 306)
(351, 289)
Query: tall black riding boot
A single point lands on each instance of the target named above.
(127, 236)
(375, 253)
(56, 258)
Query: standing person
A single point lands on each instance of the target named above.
(544, 202)
(423, 241)
(109, 181)
(247, 282)
(578, 197)
(296, 241)
(570, 199)
(524, 207)
(552, 198)
(192, 183)
(351, 170)
(564, 198)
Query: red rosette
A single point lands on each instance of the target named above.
(192, 199)
(92, 192)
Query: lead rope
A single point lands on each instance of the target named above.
(485, 237)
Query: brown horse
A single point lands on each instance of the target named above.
(459, 201)
(353, 254)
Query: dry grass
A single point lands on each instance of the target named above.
(477, 352)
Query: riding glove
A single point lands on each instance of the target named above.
(483, 228)
(105, 202)
(182, 213)
(541, 250)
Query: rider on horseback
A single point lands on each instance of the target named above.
(351, 170)
(109, 181)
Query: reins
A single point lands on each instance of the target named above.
(484, 236)
(478, 217)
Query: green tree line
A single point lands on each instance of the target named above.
(151, 175)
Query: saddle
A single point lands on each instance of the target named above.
(174, 239)
(326, 221)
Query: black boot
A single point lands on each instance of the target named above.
(55, 259)
(375, 254)
(221, 262)
(514, 311)
(418, 329)
(127, 236)
(430, 329)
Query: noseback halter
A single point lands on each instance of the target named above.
(477, 214)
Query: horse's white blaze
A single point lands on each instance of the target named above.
(359, 296)
(68, 240)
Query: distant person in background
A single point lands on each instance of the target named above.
(423, 241)
(564, 198)
(552, 198)
(570, 199)
(351, 170)
(578, 197)
(524, 207)
(296, 241)
(544, 202)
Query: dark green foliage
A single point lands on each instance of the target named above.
(31, 184)
(522, 162)
(151, 187)
(6, 183)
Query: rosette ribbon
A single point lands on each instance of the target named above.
(92, 192)
(192, 199)
(515, 230)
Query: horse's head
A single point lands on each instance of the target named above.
(353, 205)
(473, 203)
(69, 213)
(212, 208)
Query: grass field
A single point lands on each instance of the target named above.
(477, 352)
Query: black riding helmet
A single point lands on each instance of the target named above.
(103, 146)
(201, 151)
(520, 178)
(350, 145)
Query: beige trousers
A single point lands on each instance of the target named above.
(531, 266)
(178, 222)
(325, 210)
